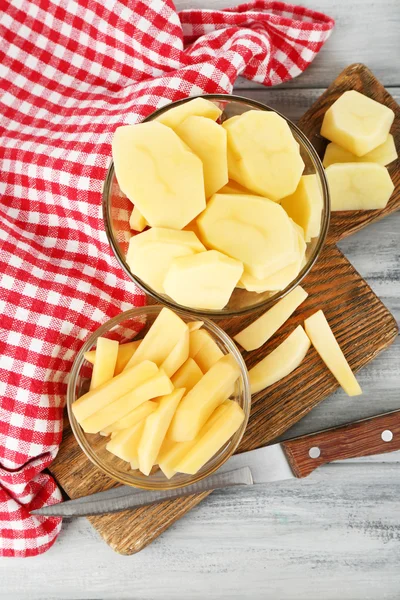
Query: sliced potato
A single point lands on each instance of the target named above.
(124, 444)
(305, 206)
(188, 375)
(137, 222)
(197, 339)
(208, 355)
(199, 107)
(383, 154)
(105, 361)
(325, 343)
(137, 415)
(179, 355)
(125, 352)
(194, 325)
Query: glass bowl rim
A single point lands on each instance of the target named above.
(77, 364)
(263, 304)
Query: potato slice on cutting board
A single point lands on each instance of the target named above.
(305, 206)
(263, 328)
(199, 107)
(137, 414)
(251, 229)
(207, 140)
(187, 376)
(357, 123)
(105, 361)
(137, 222)
(159, 174)
(263, 155)
(280, 362)
(214, 438)
(125, 443)
(382, 155)
(150, 253)
(325, 343)
(155, 428)
(198, 404)
(359, 186)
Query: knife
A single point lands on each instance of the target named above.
(297, 457)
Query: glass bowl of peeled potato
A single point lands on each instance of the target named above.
(216, 204)
(157, 399)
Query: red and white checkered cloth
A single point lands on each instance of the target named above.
(71, 72)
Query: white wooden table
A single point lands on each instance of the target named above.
(334, 535)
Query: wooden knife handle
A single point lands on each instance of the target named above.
(376, 435)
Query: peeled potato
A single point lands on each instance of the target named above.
(179, 354)
(208, 355)
(207, 140)
(187, 376)
(194, 325)
(105, 361)
(251, 229)
(137, 222)
(383, 154)
(263, 155)
(197, 339)
(204, 280)
(150, 253)
(359, 186)
(125, 443)
(199, 107)
(232, 187)
(135, 416)
(305, 206)
(357, 123)
(159, 174)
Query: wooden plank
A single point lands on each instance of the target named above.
(365, 31)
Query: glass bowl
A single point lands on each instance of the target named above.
(117, 209)
(125, 327)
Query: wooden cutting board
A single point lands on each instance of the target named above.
(362, 324)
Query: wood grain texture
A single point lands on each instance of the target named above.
(363, 327)
(350, 441)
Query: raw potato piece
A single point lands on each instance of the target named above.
(160, 340)
(158, 385)
(194, 325)
(187, 376)
(95, 400)
(105, 361)
(125, 443)
(155, 428)
(159, 174)
(357, 123)
(263, 328)
(217, 435)
(137, 415)
(325, 343)
(198, 405)
(383, 154)
(125, 352)
(208, 355)
(150, 253)
(204, 280)
(280, 362)
(199, 107)
(137, 222)
(179, 355)
(173, 452)
(251, 229)
(283, 277)
(235, 188)
(263, 155)
(207, 140)
(305, 206)
(358, 186)
(197, 339)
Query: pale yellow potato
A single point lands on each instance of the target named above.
(263, 328)
(204, 280)
(280, 362)
(207, 140)
(217, 435)
(155, 428)
(251, 229)
(124, 444)
(198, 404)
(197, 339)
(159, 341)
(232, 187)
(137, 222)
(125, 352)
(194, 325)
(208, 355)
(150, 253)
(187, 376)
(159, 174)
(199, 107)
(97, 399)
(158, 385)
(305, 206)
(383, 154)
(359, 186)
(179, 354)
(263, 155)
(105, 361)
(171, 453)
(325, 343)
(357, 123)
(283, 277)
(135, 416)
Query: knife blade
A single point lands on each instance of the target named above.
(297, 457)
